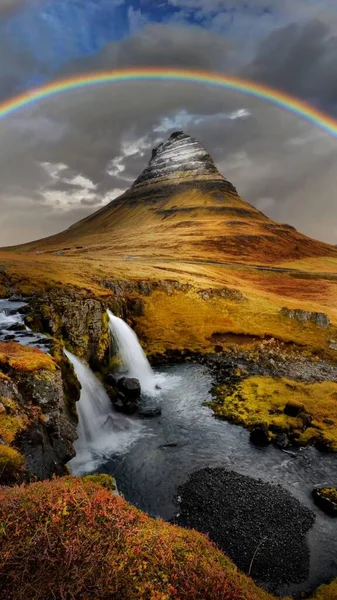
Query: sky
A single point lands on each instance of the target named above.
(67, 156)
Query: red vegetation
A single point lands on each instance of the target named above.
(70, 539)
(24, 358)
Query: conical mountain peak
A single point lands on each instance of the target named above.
(181, 157)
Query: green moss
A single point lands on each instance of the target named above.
(102, 479)
(10, 425)
(329, 494)
(11, 464)
(264, 399)
(326, 592)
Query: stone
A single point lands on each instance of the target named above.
(333, 344)
(149, 411)
(303, 316)
(218, 348)
(326, 499)
(259, 435)
(306, 418)
(16, 327)
(130, 387)
(111, 380)
(293, 409)
(282, 441)
(2, 409)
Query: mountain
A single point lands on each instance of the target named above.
(182, 206)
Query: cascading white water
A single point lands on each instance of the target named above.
(101, 431)
(131, 354)
(94, 405)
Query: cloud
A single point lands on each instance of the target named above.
(62, 158)
(299, 59)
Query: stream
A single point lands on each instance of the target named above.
(149, 472)
(150, 458)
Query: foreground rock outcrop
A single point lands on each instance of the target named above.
(36, 429)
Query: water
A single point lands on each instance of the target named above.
(10, 315)
(132, 356)
(149, 473)
(101, 431)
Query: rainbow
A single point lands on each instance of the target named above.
(250, 88)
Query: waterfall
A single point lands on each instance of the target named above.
(131, 354)
(94, 405)
(101, 431)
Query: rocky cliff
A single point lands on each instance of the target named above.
(36, 430)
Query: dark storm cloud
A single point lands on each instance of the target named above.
(300, 59)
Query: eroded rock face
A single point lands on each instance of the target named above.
(304, 316)
(80, 321)
(180, 155)
(35, 404)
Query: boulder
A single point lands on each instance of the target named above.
(127, 408)
(16, 327)
(326, 499)
(111, 380)
(294, 409)
(282, 441)
(149, 410)
(130, 387)
(259, 435)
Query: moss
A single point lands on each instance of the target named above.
(102, 479)
(326, 592)
(10, 425)
(329, 493)
(264, 399)
(11, 464)
(25, 359)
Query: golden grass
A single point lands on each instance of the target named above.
(179, 235)
(263, 400)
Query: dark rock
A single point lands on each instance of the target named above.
(326, 499)
(293, 409)
(9, 337)
(125, 407)
(218, 348)
(262, 527)
(306, 418)
(323, 445)
(259, 435)
(149, 411)
(130, 387)
(16, 327)
(282, 441)
(111, 380)
(169, 445)
(328, 422)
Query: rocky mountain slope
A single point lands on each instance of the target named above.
(181, 206)
(185, 260)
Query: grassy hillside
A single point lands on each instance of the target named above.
(73, 539)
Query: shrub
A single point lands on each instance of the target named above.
(70, 538)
